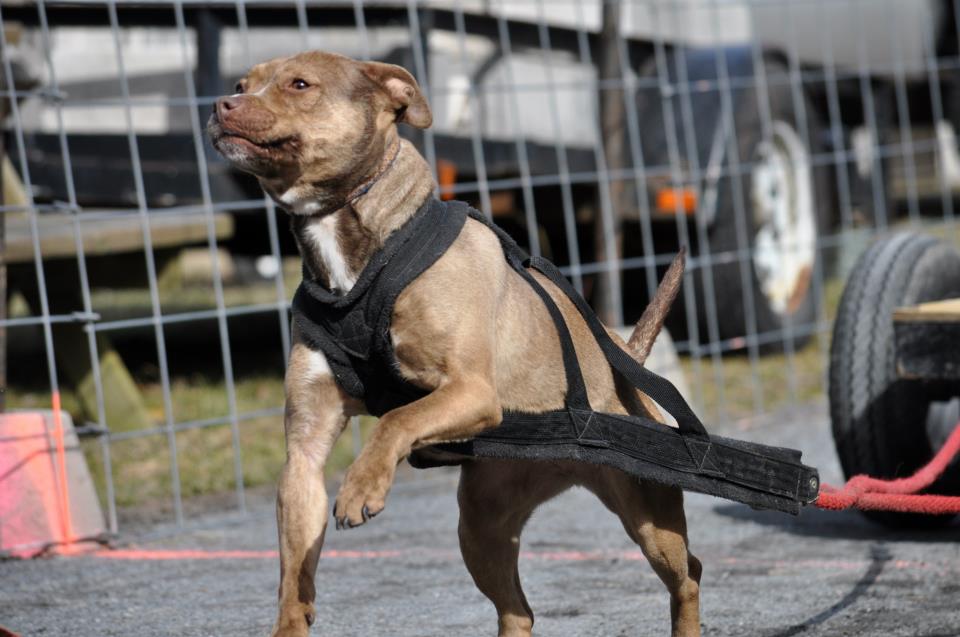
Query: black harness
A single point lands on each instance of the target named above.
(353, 332)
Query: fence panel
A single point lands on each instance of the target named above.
(148, 283)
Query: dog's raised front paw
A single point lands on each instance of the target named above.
(362, 496)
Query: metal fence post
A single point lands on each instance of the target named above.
(3, 285)
(208, 79)
(609, 241)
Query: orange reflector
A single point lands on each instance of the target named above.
(670, 201)
(447, 177)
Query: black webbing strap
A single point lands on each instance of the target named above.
(576, 400)
(576, 397)
(657, 387)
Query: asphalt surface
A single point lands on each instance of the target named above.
(764, 574)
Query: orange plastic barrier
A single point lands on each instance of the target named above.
(47, 497)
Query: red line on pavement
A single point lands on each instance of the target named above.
(136, 554)
(203, 554)
(200, 554)
(582, 556)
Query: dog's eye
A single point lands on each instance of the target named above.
(238, 88)
(299, 84)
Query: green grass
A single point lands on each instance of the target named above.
(141, 466)
(742, 386)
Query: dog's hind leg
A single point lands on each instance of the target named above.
(653, 517)
(496, 499)
(315, 416)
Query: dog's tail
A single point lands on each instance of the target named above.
(649, 325)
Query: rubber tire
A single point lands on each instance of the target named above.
(728, 284)
(878, 419)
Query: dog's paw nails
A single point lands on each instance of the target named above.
(355, 507)
(367, 514)
(347, 521)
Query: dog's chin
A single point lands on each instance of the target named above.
(239, 152)
(258, 158)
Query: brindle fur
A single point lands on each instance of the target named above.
(469, 330)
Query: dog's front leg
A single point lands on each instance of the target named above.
(316, 413)
(458, 409)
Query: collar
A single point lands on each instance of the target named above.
(364, 187)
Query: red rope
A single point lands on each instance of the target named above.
(871, 494)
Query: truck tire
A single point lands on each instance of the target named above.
(770, 254)
(879, 420)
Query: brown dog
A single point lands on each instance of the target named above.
(319, 132)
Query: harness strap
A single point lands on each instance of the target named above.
(576, 398)
(657, 387)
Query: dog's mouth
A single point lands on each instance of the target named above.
(237, 138)
(222, 137)
(231, 137)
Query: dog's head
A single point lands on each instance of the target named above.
(314, 126)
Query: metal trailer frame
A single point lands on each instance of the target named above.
(895, 364)
(928, 341)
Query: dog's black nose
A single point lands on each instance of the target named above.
(226, 104)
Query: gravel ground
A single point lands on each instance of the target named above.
(764, 574)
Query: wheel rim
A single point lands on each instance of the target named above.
(784, 247)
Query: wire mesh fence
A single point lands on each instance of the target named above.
(775, 138)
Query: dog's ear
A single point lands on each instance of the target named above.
(408, 102)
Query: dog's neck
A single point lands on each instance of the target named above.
(337, 246)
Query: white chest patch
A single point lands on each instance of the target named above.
(317, 366)
(323, 235)
(298, 200)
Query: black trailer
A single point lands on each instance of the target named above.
(895, 364)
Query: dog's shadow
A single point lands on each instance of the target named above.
(850, 525)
